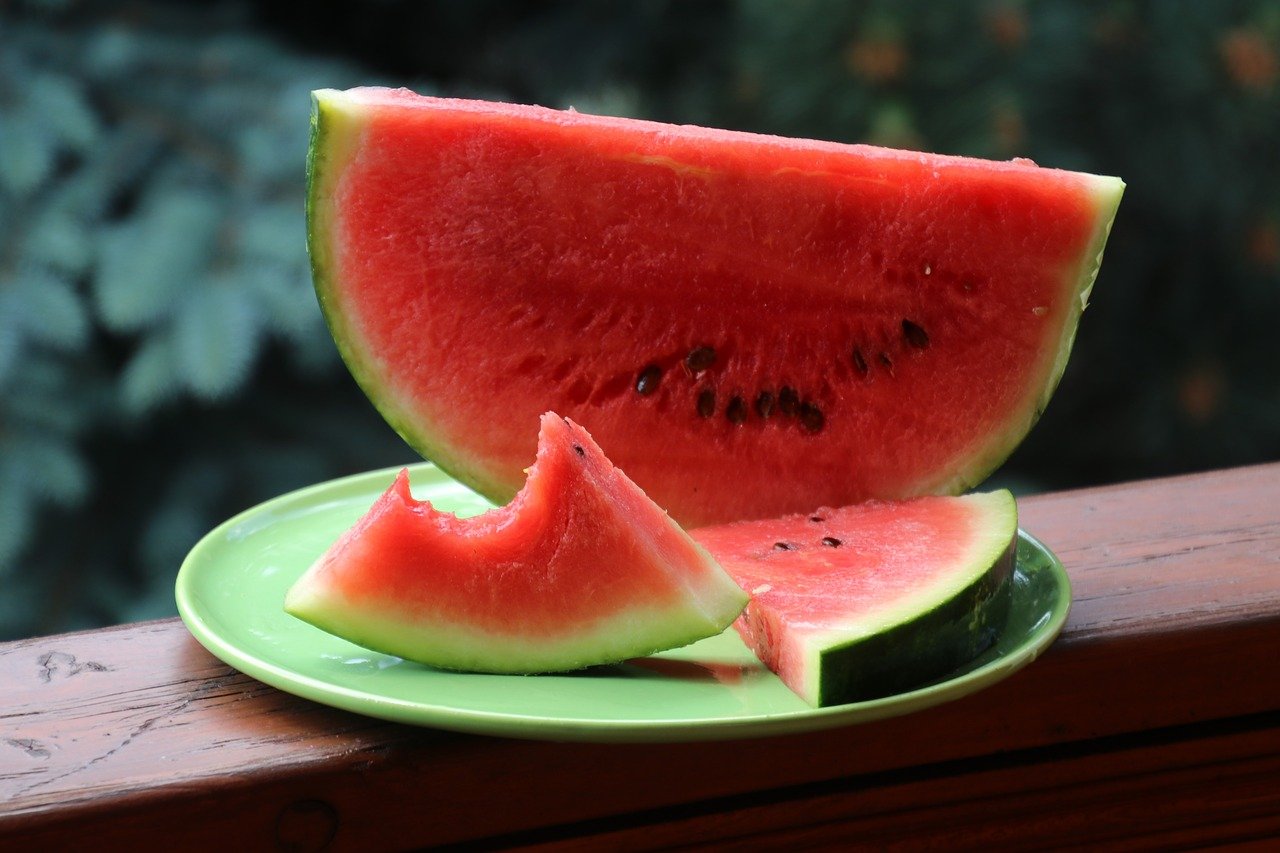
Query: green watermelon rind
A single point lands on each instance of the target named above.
(461, 647)
(335, 126)
(1107, 191)
(928, 636)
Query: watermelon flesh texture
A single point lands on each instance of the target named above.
(748, 325)
(581, 568)
(870, 600)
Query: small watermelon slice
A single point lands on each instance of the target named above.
(870, 600)
(748, 325)
(581, 568)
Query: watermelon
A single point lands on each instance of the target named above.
(581, 568)
(870, 600)
(748, 325)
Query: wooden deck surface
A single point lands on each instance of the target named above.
(1153, 722)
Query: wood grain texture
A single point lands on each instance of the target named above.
(135, 733)
(1200, 788)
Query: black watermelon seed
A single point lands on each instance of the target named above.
(783, 546)
(816, 519)
(788, 401)
(647, 381)
(707, 403)
(811, 417)
(831, 542)
(915, 335)
(699, 359)
(859, 362)
(886, 361)
(764, 404)
(577, 448)
(736, 411)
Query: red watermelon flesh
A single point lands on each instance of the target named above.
(581, 568)
(748, 325)
(869, 600)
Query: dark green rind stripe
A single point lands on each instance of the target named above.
(925, 647)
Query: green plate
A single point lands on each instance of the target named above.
(231, 588)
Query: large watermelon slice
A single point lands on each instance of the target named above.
(748, 325)
(866, 601)
(580, 569)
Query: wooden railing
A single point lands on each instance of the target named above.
(1153, 722)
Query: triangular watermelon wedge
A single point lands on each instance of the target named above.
(580, 569)
(865, 601)
(748, 325)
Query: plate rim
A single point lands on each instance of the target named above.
(540, 727)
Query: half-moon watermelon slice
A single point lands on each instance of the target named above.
(866, 601)
(580, 569)
(748, 325)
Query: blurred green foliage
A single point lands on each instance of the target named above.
(163, 364)
(162, 359)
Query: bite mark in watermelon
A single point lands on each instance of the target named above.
(748, 325)
(581, 568)
(866, 601)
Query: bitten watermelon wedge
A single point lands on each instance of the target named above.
(866, 601)
(748, 325)
(580, 569)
